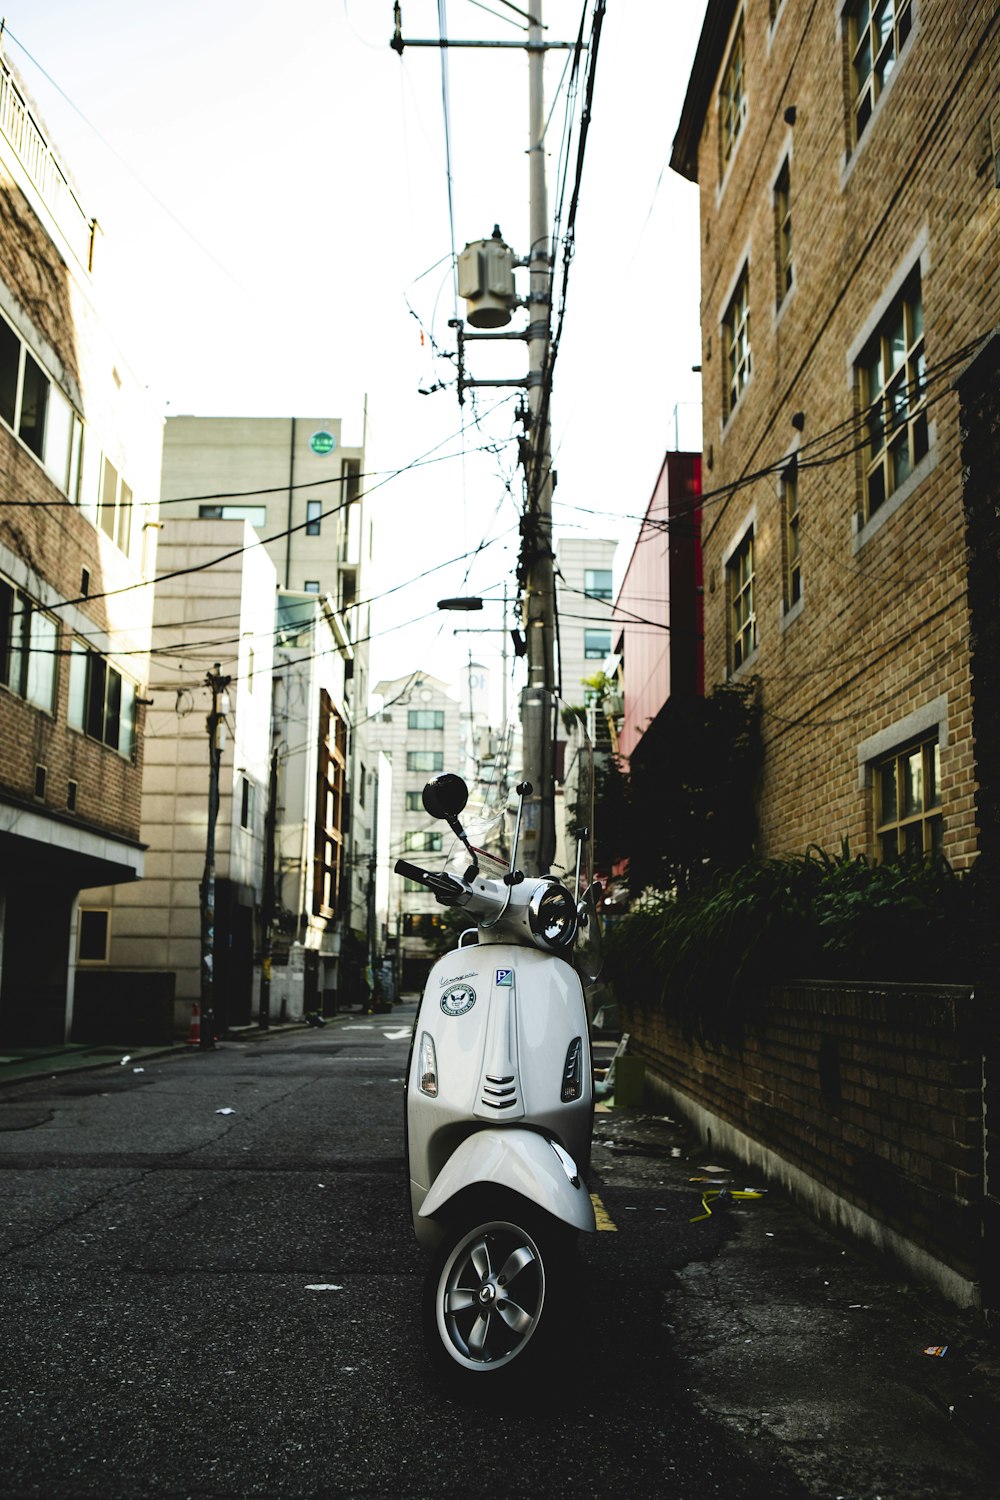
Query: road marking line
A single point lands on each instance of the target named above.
(604, 1219)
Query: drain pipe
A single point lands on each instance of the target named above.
(291, 498)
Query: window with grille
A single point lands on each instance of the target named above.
(597, 583)
(329, 827)
(892, 378)
(783, 231)
(35, 408)
(742, 611)
(732, 98)
(93, 936)
(596, 644)
(790, 523)
(876, 35)
(425, 718)
(421, 842)
(736, 342)
(101, 700)
(29, 640)
(425, 760)
(255, 514)
(908, 819)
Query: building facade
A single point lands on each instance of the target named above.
(421, 730)
(585, 598)
(80, 448)
(850, 230)
(658, 624)
(214, 612)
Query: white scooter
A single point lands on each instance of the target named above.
(500, 1099)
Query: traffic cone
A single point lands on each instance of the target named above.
(194, 1035)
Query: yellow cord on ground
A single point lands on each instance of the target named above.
(724, 1192)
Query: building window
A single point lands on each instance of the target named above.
(742, 613)
(422, 843)
(246, 803)
(329, 829)
(425, 760)
(783, 231)
(28, 648)
(114, 507)
(414, 802)
(255, 514)
(93, 936)
(425, 718)
(876, 34)
(414, 887)
(790, 524)
(736, 342)
(101, 700)
(732, 98)
(596, 644)
(362, 784)
(892, 378)
(311, 586)
(597, 583)
(314, 512)
(908, 820)
(36, 409)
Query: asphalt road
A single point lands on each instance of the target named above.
(211, 1289)
(164, 1334)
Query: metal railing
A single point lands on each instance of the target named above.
(20, 129)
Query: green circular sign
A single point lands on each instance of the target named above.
(322, 442)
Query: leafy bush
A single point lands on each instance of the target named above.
(710, 955)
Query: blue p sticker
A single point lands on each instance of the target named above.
(505, 978)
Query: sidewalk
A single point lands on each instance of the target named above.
(794, 1340)
(20, 1064)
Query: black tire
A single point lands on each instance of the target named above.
(497, 1290)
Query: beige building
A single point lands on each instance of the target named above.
(79, 481)
(214, 604)
(850, 229)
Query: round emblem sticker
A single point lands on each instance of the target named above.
(322, 442)
(458, 999)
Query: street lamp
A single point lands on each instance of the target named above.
(460, 603)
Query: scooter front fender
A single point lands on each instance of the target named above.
(518, 1159)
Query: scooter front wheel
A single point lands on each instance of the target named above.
(496, 1288)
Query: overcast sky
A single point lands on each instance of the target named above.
(271, 182)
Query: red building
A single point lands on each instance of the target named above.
(658, 613)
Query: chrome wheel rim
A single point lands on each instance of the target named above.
(490, 1296)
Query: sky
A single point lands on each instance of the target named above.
(272, 186)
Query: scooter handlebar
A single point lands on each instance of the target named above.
(446, 888)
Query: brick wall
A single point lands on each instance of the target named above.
(874, 1094)
(883, 629)
(47, 543)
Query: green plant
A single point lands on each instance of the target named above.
(710, 955)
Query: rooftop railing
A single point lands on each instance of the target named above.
(21, 131)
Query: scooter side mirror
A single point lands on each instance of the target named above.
(445, 796)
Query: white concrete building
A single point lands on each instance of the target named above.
(419, 727)
(585, 600)
(214, 604)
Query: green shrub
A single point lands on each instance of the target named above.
(709, 956)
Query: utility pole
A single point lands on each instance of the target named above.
(487, 274)
(217, 685)
(539, 593)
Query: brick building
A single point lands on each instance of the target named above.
(847, 162)
(79, 481)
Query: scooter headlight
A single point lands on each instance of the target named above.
(552, 915)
